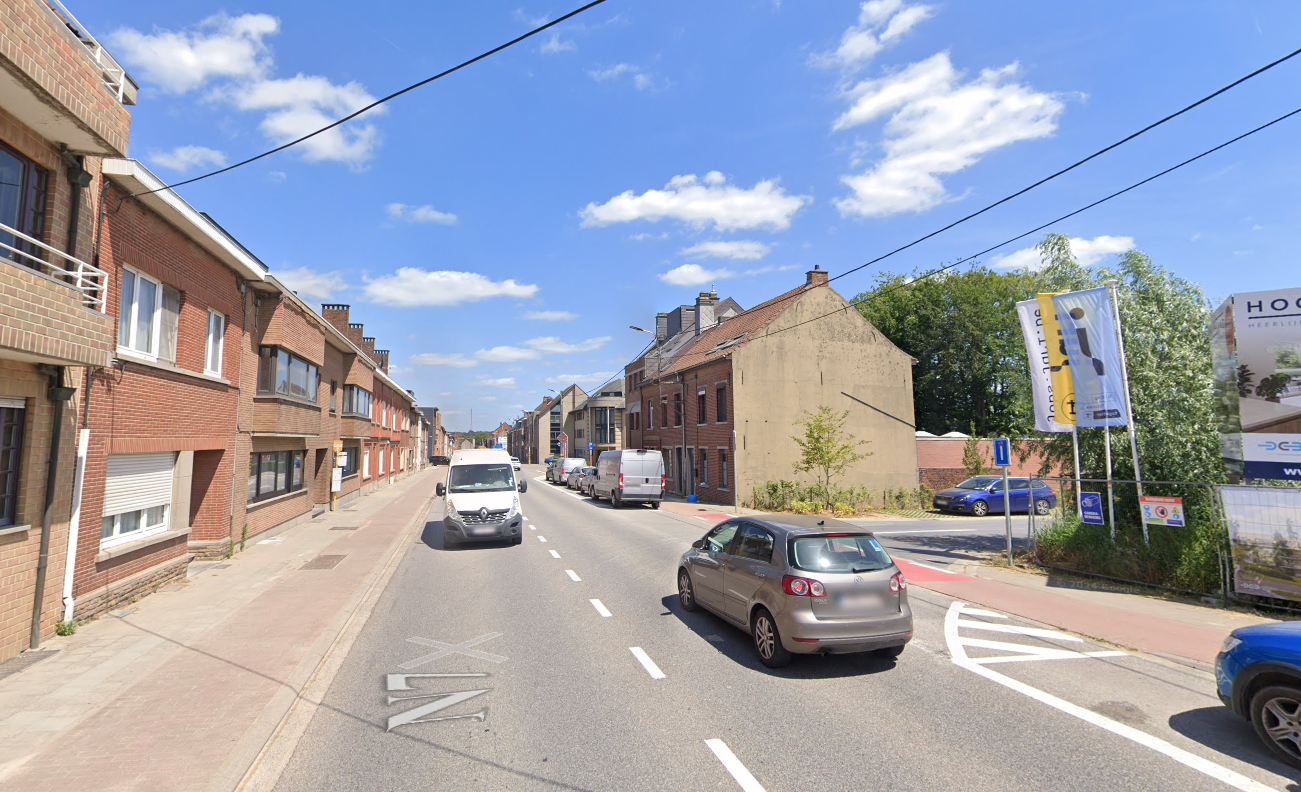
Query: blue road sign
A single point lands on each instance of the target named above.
(1091, 508)
(590, 446)
(1002, 452)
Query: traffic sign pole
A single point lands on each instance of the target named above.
(1003, 458)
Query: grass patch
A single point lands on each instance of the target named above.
(1184, 558)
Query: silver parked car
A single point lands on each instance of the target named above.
(799, 585)
(575, 477)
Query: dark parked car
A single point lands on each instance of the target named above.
(981, 495)
(1258, 676)
(439, 459)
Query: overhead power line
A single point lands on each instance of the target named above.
(1018, 237)
(1077, 164)
(382, 100)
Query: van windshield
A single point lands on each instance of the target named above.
(481, 478)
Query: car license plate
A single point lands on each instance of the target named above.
(484, 531)
(942, 501)
(858, 602)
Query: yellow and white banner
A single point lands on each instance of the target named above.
(1036, 348)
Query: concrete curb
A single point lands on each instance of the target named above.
(288, 714)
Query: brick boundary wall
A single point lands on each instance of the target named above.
(122, 592)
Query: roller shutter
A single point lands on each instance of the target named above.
(138, 481)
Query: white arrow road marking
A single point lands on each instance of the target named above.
(743, 777)
(446, 649)
(958, 652)
(554, 554)
(646, 662)
(573, 576)
(601, 609)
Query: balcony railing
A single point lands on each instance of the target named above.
(91, 281)
(118, 82)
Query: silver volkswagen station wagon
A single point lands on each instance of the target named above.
(799, 585)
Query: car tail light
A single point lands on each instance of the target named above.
(620, 481)
(662, 480)
(803, 587)
(897, 583)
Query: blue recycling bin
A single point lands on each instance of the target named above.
(692, 499)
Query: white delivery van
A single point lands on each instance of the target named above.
(629, 476)
(482, 498)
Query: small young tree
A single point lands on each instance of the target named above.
(971, 458)
(826, 449)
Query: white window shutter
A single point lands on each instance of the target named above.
(138, 481)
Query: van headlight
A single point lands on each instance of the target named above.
(452, 512)
(514, 507)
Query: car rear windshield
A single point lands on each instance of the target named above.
(849, 553)
(481, 478)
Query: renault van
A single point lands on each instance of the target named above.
(629, 476)
(482, 498)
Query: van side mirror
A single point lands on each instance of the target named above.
(441, 489)
(523, 486)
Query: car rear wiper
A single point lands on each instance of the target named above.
(866, 569)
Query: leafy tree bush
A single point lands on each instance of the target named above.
(826, 449)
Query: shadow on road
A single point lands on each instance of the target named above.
(735, 644)
(433, 538)
(1223, 732)
(961, 546)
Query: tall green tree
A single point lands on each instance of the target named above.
(826, 449)
(962, 328)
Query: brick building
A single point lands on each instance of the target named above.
(598, 422)
(720, 397)
(63, 105)
(939, 459)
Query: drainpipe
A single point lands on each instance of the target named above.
(242, 285)
(57, 394)
(74, 517)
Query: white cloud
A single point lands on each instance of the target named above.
(507, 354)
(694, 275)
(310, 284)
(303, 103)
(766, 270)
(531, 21)
(738, 249)
(183, 158)
(180, 61)
(641, 80)
(880, 22)
(410, 287)
(1086, 251)
(554, 45)
(642, 237)
(419, 214)
(498, 382)
(550, 316)
(700, 202)
(454, 360)
(596, 378)
(937, 125)
(553, 345)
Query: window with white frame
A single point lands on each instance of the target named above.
(137, 496)
(148, 316)
(365, 464)
(215, 343)
(381, 461)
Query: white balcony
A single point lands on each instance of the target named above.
(115, 78)
(90, 281)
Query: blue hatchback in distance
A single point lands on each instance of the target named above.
(1258, 676)
(982, 495)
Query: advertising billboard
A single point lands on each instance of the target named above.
(1089, 332)
(1264, 525)
(1256, 358)
(1033, 327)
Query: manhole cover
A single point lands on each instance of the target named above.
(344, 528)
(324, 562)
(25, 660)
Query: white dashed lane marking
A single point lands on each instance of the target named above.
(573, 576)
(646, 662)
(743, 777)
(601, 609)
(541, 538)
(554, 554)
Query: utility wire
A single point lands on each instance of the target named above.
(1075, 165)
(381, 101)
(1118, 193)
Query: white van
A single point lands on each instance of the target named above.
(482, 498)
(629, 476)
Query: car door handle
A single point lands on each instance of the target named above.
(760, 575)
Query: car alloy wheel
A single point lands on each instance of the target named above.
(1041, 507)
(686, 594)
(767, 641)
(980, 508)
(1276, 715)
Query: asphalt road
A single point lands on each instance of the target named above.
(566, 703)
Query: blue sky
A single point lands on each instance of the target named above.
(498, 230)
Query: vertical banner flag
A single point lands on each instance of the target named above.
(1089, 332)
(1059, 367)
(1036, 349)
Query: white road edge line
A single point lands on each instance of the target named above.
(646, 662)
(601, 609)
(747, 782)
(1204, 766)
(554, 554)
(931, 568)
(541, 538)
(573, 576)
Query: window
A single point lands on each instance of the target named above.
(353, 462)
(365, 463)
(650, 414)
(273, 473)
(133, 524)
(12, 414)
(216, 343)
(722, 469)
(719, 539)
(22, 204)
(137, 496)
(282, 373)
(677, 409)
(356, 401)
(578, 433)
(755, 543)
(701, 407)
(334, 386)
(604, 420)
(704, 467)
(141, 302)
(855, 552)
(720, 404)
(381, 461)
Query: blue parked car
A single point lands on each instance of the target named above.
(1258, 676)
(981, 495)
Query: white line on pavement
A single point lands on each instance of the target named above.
(646, 662)
(532, 528)
(1037, 632)
(743, 777)
(933, 569)
(985, 613)
(554, 554)
(541, 538)
(573, 576)
(1204, 766)
(928, 530)
(601, 609)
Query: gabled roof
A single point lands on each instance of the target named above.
(726, 337)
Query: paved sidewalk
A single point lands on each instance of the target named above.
(185, 688)
(1176, 630)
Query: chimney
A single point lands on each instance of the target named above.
(337, 315)
(368, 346)
(354, 332)
(661, 326)
(815, 277)
(705, 312)
(382, 355)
